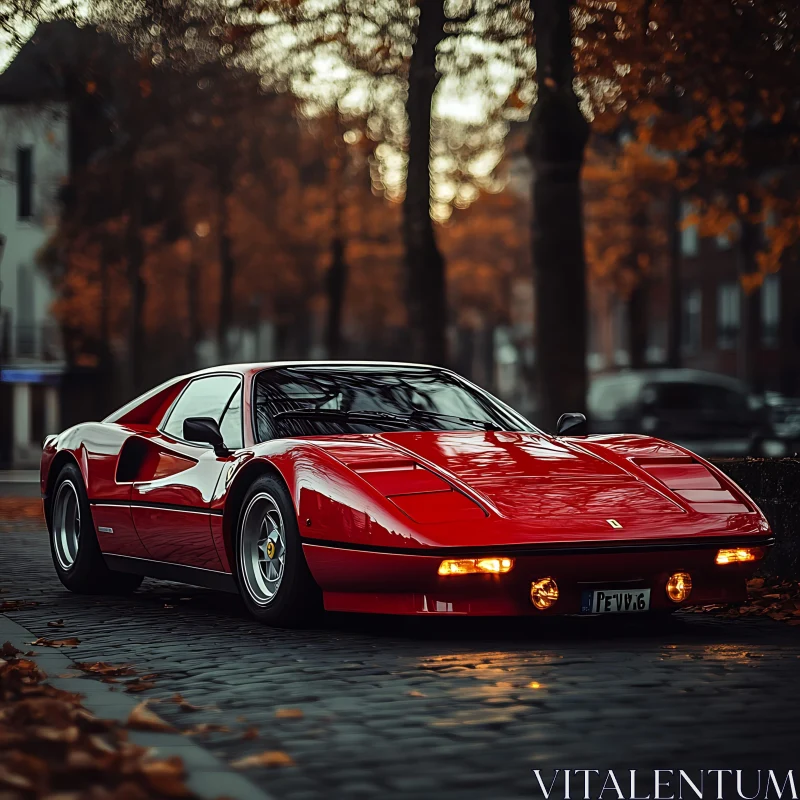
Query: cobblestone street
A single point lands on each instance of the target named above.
(433, 708)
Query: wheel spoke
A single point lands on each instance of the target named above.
(274, 519)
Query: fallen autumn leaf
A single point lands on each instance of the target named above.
(289, 713)
(143, 719)
(107, 670)
(204, 728)
(43, 641)
(8, 650)
(269, 758)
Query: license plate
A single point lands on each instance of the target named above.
(615, 601)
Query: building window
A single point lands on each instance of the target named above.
(733, 234)
(770, 310)
(690, 235)
(728, 315)
(25, 331)
(24, 182)
(691, 334)
(769, 222)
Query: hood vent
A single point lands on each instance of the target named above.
(695, 483)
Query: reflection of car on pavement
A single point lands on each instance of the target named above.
(387, 488)
(710, 414)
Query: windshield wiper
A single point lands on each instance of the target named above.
(336, 415)
(477, 423)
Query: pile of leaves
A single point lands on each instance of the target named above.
(51, 746)
(779, 600)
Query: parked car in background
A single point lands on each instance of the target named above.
(710, 414)
(784, 414)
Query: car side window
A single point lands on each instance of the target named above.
(231, 425)
(203, 397)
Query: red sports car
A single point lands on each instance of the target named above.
(387, 488)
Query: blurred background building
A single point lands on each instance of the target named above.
(33, 167)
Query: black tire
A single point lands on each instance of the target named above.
(297, 599)
(82, 570)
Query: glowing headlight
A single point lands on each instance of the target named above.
(679, 587)
(544, 593)
(471, 566)
(738, 555)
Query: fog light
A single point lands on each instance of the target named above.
(739, 555)
(470, 566)
(679, 587)
(544, 593)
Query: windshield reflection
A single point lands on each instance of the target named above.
(431, 399)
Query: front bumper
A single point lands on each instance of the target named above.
(408, 583)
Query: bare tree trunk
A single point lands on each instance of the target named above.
(105, 295)
(675, 320)
(336, 277)
(557, 142)
(193, 312)
(137, 288)
(637, 324)
(750, 341)
(336, 283)
(227, 265)
(426, 289)
(637, 302)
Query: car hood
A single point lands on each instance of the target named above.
(526, 476)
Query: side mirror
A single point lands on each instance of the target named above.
(573, 423)
(205, 429)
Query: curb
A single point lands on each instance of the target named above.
(20, 484)
(207, 776)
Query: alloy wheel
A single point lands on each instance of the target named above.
(66, 524)
(262, 548)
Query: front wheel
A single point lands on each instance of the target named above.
(271, 570)
(73, 542)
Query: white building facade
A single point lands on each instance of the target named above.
(34, 165)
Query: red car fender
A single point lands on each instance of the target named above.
(331, 502)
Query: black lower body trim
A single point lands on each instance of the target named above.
(556, 549)
(162, 570)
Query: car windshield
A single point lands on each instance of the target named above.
(314, 401)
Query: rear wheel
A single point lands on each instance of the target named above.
(76, 554)
(271, 570)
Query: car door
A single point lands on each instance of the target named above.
(170, 505)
